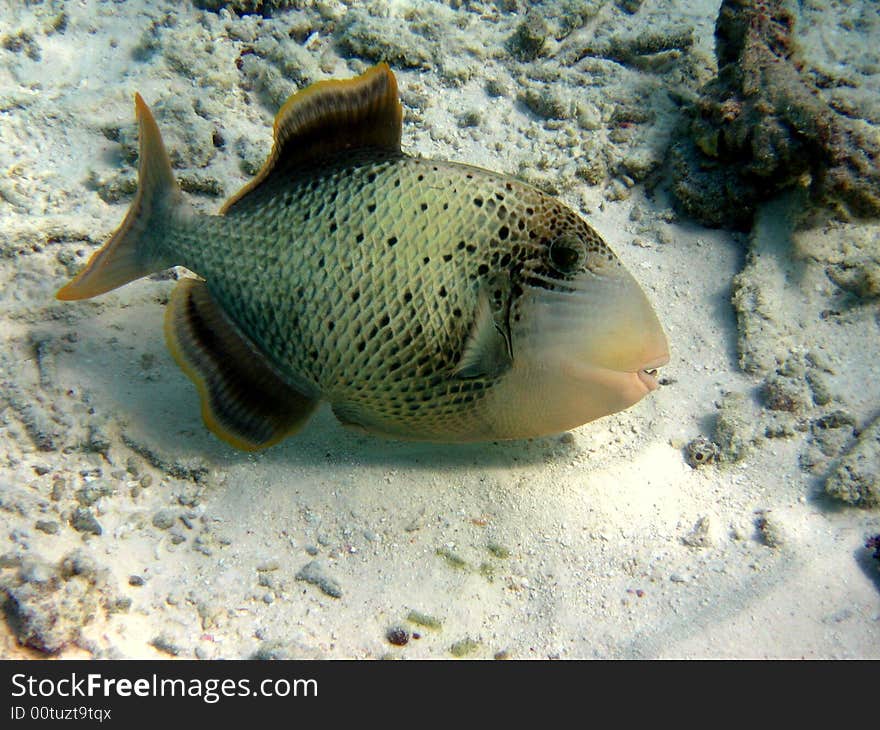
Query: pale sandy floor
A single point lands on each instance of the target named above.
(569, 547)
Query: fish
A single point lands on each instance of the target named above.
(422, 299)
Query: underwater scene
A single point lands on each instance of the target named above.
(435, 330)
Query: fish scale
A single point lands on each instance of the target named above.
(297, 300)
(422, 299)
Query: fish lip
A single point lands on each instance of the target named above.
(648, 379)
(647, 374)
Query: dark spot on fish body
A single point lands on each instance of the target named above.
(371, 208)
(503, 233)
(423, 207)
(478, 202)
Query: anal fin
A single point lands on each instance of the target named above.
(245, 401)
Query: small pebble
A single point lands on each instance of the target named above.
(166, 645)
(397, 635)
(425, 620)
(701, 451)
(700, 534)
(313, 573)
(48, 526)
(84, 521)
(164, 519)
(463, 647)
(769, 530)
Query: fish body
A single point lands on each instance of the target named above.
(422, 299)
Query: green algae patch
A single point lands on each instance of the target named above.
(424, 620)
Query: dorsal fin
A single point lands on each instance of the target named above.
(330, 117)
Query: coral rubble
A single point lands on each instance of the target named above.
(761, 126)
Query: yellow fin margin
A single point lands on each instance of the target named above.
(244, 401)
(330, 117)
(131, 252)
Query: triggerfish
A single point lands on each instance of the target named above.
(422, 299)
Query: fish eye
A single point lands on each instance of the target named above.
(566, 254)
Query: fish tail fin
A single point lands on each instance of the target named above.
(135, 250)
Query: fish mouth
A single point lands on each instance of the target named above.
(649, 378)
(648, 374)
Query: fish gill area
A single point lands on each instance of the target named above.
(725, 515)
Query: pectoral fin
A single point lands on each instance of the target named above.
(488, 352)
(244, 400)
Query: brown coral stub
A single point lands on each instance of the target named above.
(761, 126)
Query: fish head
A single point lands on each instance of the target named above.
(583, 333)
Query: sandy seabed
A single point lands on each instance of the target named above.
(696, 524)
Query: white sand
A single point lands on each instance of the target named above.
(569, 547)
